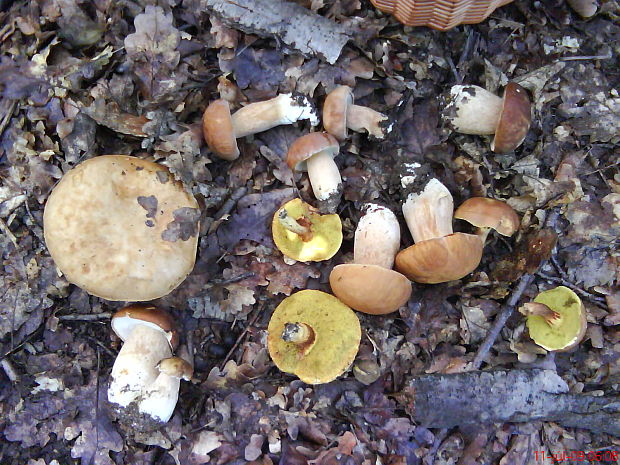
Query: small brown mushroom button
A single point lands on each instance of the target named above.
(369, 284)
(315, 154)
(340, 114)
(487, 214)
(474, 110)
(314, 336)
(122, 228)
(438, 255)
(585, 8)
(222, 129)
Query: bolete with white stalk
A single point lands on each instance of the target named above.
(302, 233)
(315, 154)
(369, 284)
(487, 214)
(122, 228)
(145, 378)
(341, 114)
(314, 336)
(222, 129)
(556, 319)
(473, 110)
(438, 255)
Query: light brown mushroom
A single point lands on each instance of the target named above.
(487, 214)
(221, 129)
(122, 228)
(474, 110)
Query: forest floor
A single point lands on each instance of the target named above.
(80, 79)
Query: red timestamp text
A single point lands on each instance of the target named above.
(578, 456)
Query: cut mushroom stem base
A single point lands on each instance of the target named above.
(300, 334)
(325, 180)
(429, 213)
(377, 237)
(361, 119)
(552, 318)
(301, 227)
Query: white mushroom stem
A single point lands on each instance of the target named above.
(552, 318)
(429, 213)
(291, 224)
(261, 116)
(473, 110)
(159, 399)
(134, 368)
(324, 174)
(297, 333)
(377, 237)
(360, 119)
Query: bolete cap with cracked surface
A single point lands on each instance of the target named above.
(565, 325)
(370, 288)
(483, 212)
(329, 345)
(441, 259)
(323, 237)
(128, 318)
(122, 228)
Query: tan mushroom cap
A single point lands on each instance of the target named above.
(336, 331)
(483, 212)
(309, 145)
(122, 228)
(441, 259)
(126, 319)
(217, 127)
(326, 233)
(514, 121)
(370, 288)
(335, 109)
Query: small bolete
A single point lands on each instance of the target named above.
(340, 114)
(314, 336)
(145, 378)
(122, 228)
(487, 214)
(315, 154)
(438, 255)
(221, 129)
(556, 319)
(369, 284)
(585, 8)
(473, 110)
(302, 233)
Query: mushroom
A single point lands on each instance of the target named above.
(300, 232)
(315, 154)
(340, 114)
(473, 110)
(438, 255)
(369, 284)
(556, 319)
(313, 335)
(487, 214)
(585, 8)
(122, 228)
(221, 129)
(145, 378)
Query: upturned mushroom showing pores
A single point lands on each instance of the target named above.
(145, 378)
(122, 228)
(314, 336)
(369, 284)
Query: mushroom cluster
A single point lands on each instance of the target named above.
(145, 378)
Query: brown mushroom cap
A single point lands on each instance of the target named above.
(336, 332)
(370, 288)
(218, 130)
(335, 109)
(121, 228)
(309, 145)
(514, 120)
(126, 319)
(483, 212)
(442, 259)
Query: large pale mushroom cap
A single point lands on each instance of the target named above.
(334, 343)
(121, 228)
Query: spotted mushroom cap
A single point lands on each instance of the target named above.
(122, 228)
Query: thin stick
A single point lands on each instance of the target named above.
(242, 336)
(86, 316)
(577, 289)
